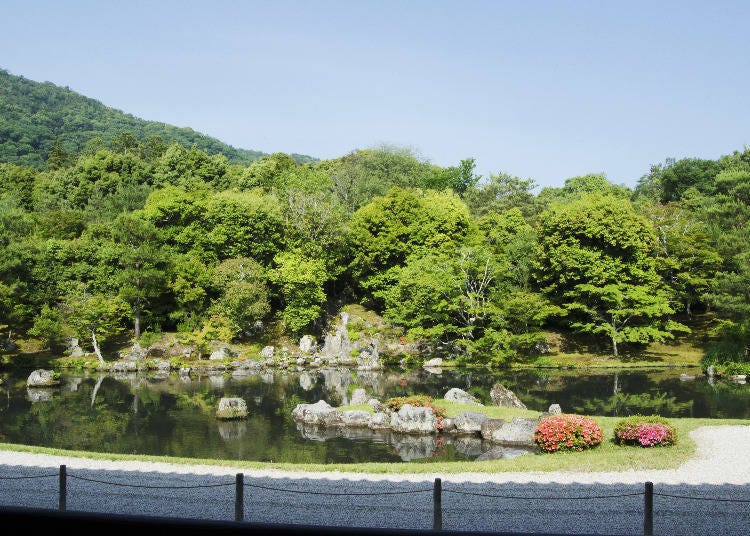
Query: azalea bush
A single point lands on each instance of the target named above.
(567, 432)
(424, 401)
(653, 431)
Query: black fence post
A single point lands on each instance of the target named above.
(648, 509)
(437, 499)
(62, 503)
(239, 497)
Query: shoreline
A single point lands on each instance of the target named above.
(722, 457)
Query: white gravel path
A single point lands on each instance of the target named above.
(722, 457)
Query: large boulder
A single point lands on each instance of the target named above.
(134, 353)
(368, 358)
(231, 408)
(220, 353)
(414, 420)
(42, 378)
(356, 418)
(379, 421)
(320, 413)
(519, 432)
(469, 422)
(462, 397)
(307, 344)
(433, 363)
(504, 397)
(267, 352)
(359, 396)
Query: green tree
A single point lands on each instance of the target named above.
(300, 281)
(598, 263)
(241, 285)
(98, 317)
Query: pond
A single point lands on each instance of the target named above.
(173, 415)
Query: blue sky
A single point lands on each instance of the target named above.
(542, 90)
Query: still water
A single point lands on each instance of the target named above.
(172, 415)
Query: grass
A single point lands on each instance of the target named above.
(606, 457)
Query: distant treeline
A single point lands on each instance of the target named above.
(34, 116)
(138, 236)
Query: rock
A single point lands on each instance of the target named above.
(502, 453)
(161, 365)
(459, 395)
(184, 371)
(469, 446)
(344, 318)
(368, 358)
(135, 353)
(710, 371)
(378, 406)
(300, 361)
(231, 408)
(519, 432)
(414, 420)
(686, 377)
(433, 363)
(380, 421)
(319, 413)
(42, 378)
(469, 422)
(449, 426)
(307, 344)
(356, 418)
(267, 352)
(124, 366)
(220, 353)
(554, 409)
(739, 378)
(73, 348)
(359, 396)
(504, 397)
(489, 426)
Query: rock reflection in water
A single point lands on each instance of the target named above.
(39, 394)
(411, 447)
(233, 429)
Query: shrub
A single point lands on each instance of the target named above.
(567, 432)
(643, 431)
(425, 401)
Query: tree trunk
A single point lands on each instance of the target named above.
(137, 323)
(96, 347)
(614, 345)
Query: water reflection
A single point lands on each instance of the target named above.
(174, 414)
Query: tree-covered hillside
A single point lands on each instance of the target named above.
(34, 115)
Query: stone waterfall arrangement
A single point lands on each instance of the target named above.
(414, 431)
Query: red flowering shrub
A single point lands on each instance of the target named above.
(567, 432)
(425, 401)
(643, 431)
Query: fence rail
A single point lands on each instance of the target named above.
(437, 489)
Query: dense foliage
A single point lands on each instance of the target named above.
(651, 431)
(132, 236)
(567, 432)
(39, 119)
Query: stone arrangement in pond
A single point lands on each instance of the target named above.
(417, 432)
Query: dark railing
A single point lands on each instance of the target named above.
(40, 518)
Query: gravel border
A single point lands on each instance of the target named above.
(722, 457)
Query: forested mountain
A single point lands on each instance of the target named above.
(33, 115)
(139, 236)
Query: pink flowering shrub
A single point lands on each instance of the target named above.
(567, 432)
(643, 431)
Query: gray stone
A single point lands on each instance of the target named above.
(307, 344)
(356, 418)
(433, 363)
(414, 420)
(554, 409)
(368, 358)
(42, 378)
(124, 366)
(469, 422)
(231, 408)
(449, 426)
(184, 371)
(414, 447)
(501, 396)
(267, 352)
(380, 421)
(469, 446)
(359, 396)
(134, 353)
(519, 432)
(489, 426)
(686, 377)
(220, 353)
(462, 397)
(378, 406)
(317, 413)
(739, 378)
